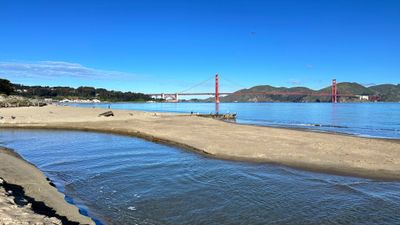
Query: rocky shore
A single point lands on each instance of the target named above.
(28, 197)
(18, 101)
(15, 209)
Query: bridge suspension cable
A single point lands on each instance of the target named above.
(235, 84)
(196, 85)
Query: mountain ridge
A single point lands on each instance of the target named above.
(382, 92)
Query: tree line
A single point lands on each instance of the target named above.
(58, 93)
(5, 87)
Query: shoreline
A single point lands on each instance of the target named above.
(288, 127)
(334, 153)
(28, 196)
(300, 166)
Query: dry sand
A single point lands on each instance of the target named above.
(333, 153)
(16, 171)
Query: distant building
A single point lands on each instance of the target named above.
(65, 100)
(374, 98)
(80, 101)
(371, 98)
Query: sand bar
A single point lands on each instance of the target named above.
(16, 171)
(333, 153)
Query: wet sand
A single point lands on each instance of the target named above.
(324, 152)
(27, 197)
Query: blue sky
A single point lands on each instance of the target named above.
(168, 46)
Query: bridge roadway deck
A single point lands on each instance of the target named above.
(256, 93)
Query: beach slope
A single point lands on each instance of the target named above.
(26, 196)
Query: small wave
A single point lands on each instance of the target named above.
(364, 131)
(276, 123)
(352, 188)
(347, 188)
(132, 208)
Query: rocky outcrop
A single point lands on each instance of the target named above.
(18, 101)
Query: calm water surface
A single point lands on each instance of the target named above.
(125, 180)
(363, 119)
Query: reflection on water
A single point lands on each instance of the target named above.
(364, 119)
(125, 180)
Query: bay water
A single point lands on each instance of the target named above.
(125, 180)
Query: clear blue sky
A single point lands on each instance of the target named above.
(161, 46)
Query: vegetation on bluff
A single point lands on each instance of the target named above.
(388, 92)
(5, 87)
(59, 93)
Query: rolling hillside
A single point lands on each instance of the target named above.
(386, 93)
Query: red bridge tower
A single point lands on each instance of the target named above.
(216, 89)
(334, 91)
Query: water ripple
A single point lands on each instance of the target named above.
(130, 181)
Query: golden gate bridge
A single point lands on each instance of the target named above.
(333, 94)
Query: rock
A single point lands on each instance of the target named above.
(18, 101)
(107, 114)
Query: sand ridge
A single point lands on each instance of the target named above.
(343, 154)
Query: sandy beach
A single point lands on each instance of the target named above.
(26, 196)
(324, 152)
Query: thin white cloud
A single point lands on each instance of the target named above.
(310, 66)
(368, 84)
(57, 69)
(294, 82)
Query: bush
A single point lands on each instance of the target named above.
(5, 87)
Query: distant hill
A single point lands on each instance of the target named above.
(266, 98)
(386, 92)
(350, 88)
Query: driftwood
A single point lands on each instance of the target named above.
(107, 114)
(227, 116)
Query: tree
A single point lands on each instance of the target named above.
(5, 87)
